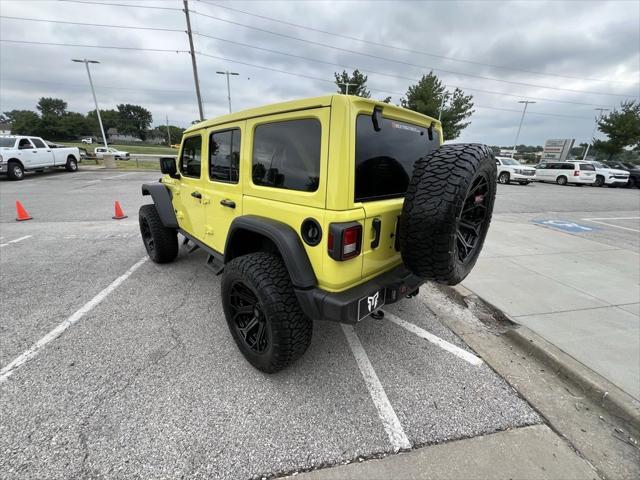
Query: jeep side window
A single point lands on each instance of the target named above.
(224, 156)
(190, 160)
(287, 154)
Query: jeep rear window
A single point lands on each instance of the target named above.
(287, 154)
(384, 159)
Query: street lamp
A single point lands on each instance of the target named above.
(593, 134)
(95, 100)
(227, 73)
(526, 104)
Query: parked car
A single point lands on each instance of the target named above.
(87, 140)
(611, 177)
(120, 155)
(563, 173)
(19, 154)
(634, 172)
(510, 170)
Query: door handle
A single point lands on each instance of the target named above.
(196, 194)
(34, 151)
(376, 224)
(228, 203)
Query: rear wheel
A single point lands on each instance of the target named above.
(561, 180)
(447, 211)
(15, 171)
(72, 164)
(160, 242)
(504, 178)
(263, 313)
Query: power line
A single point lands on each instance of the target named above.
(107, 87)
(310, 77)
(401, 62)
(158, 29)
(395, 47)
(388, 74)
(122, 5)
(113, 47)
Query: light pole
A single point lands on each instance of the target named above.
(227, 73)
(526, 104)
(593, 134)
(95, 100)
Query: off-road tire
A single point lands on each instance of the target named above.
(160, 242)
(287, 328)
(72, 164)
(561, 180)
(431, 215)
(504, 178)
(15, 171)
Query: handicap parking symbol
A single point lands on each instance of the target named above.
(564, 225)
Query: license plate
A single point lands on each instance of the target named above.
(369, 304)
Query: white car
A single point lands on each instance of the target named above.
(567, 172)
(510, 170)
(120, 155)
(19, 154)
(611, 177)
(87, 140)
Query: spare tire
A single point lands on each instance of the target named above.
(447, 211)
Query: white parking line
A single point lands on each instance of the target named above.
(387, 414)
(596, 220)
(16, 240)
(7, 371)
(430, 337)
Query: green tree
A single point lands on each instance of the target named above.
(110, 119)
(54, 107)
(23, 122)
(176, 133)
(134, 120)
(622, 127)
(357, 83)
(429, 94)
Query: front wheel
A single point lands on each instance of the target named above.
(263, 313)
(599, 181)
(160, 242)
(504, 178)
(15, 171)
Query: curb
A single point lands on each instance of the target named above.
(600, 390)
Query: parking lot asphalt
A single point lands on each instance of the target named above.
(144, 380)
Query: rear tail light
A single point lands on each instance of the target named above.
(344, 240)
(576, 173)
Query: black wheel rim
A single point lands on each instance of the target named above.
(248, 318)
(146, 235)
(473, 218)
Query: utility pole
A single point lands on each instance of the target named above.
(444, 95)
(193, 60)
(593, 134)
(526, 104)
(346, 87)
(168, 130)
(95, 100)
(227, 73)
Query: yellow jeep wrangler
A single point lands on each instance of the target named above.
(325, 208)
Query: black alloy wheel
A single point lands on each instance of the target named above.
(473, 219)
(147, 237)
(248, 318)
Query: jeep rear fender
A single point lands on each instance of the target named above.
(162, 200)
(282, 236)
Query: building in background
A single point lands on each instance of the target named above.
(557, 149)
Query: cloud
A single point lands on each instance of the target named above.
(586, 40)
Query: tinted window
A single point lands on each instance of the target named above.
(224, 156)
(38, 143)
(191, 157)
(287, 155)
(24, 143)
(586, 166)
(567, 166)
(384, 159)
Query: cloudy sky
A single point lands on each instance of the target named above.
(570, 57)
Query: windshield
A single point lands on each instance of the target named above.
(7, 142)
(509, 161)
(599, 165)
(384, 159)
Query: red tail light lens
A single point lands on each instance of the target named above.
(576, 173)
(344, 240)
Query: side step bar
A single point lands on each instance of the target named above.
(215, 261)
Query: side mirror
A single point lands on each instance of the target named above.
(168, 167)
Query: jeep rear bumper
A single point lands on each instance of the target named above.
(353, 305)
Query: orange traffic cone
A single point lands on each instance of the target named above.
(21, 213)
(119, 213)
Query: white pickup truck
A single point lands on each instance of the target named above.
(19, 154)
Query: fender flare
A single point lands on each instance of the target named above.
(286, 240)
(162, 199)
